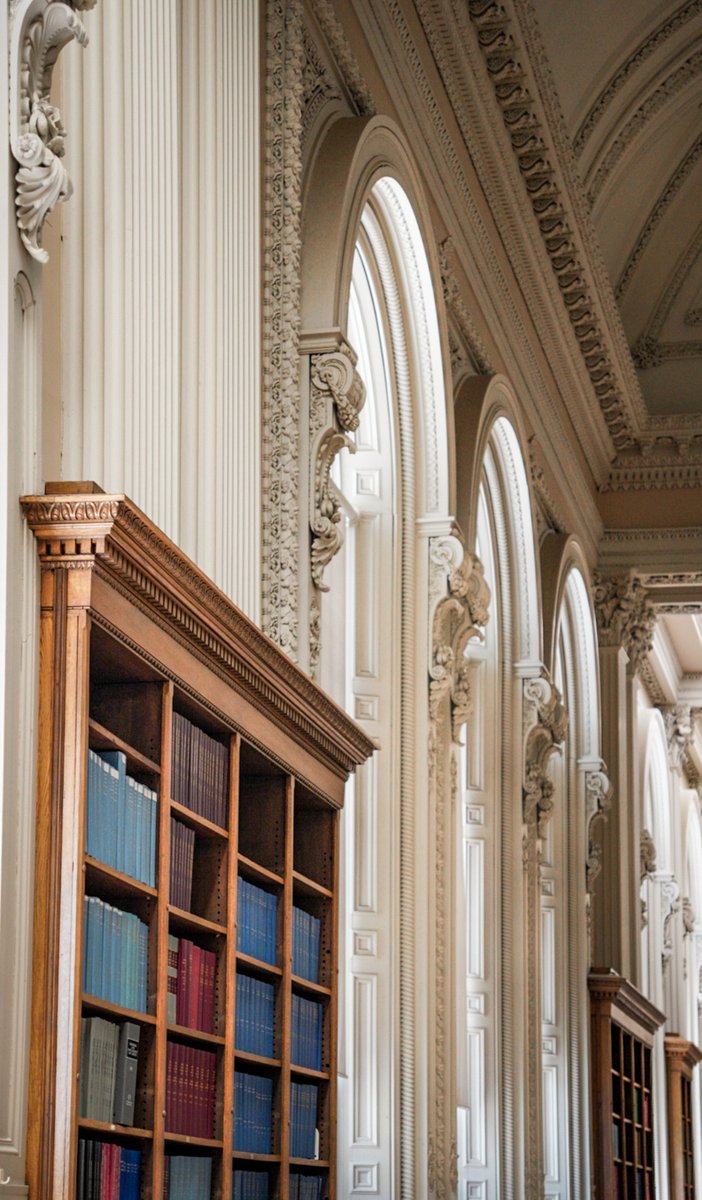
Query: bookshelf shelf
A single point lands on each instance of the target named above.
(245, 1056)
(308, 887)
(198, 1035)
(188, 922)
(197, 822)
(110, 1128)
(257, 965)
(205, 772)
(103, 1007)
(249, 869)
(103, 739)
(114, 884)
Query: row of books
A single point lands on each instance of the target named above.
(306, 1033)
(191, 984)
(250, 1185)
(256, 921)
(109, 1054)
(303, 1120)
(253, 1113)
(107, 1171)
(305, 1187)
(190, 1090)
(121, 817)
(187, 1177)
(182, 855)
(306, 931)
(115, 954)
(255, 1016)
(200, 771)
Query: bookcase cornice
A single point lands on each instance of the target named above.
(112, 536)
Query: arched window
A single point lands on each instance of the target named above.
(497, 1123)
(377, 609)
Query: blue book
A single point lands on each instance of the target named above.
(114, 850)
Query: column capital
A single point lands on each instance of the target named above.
(626, 617)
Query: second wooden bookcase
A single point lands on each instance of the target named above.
(189, 786)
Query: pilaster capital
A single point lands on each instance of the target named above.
(625, 616)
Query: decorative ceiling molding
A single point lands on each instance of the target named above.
(524, 125)
(670, 191)
(344, 58)
(661, 557)
(685, 73)
(644, 50)
(680, 275)
(651, 477)
(693, 317)
(649, 353)
(40, 30)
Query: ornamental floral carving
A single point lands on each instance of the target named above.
(688, 916)
(459, 598)
(337, 395)
(598, 799)
(545, 724)
(39, 33)
(670, 902)
(625, 615)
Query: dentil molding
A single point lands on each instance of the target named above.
(39, 31)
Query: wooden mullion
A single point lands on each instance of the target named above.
(164, 882)
(286, 990)
(230, 974)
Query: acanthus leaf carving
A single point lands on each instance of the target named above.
(688, 916)
(326, 524)
(598, 799)
(679, 732)
(625, 615)
(459, 597)
(545, 723)
(40, 32)
(670, 902)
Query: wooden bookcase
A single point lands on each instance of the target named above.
(131, 633)
(623, 1025)
(681, 1058)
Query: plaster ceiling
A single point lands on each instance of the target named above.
(629, 78)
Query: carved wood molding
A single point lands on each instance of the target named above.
(40, 29)
(111, 535)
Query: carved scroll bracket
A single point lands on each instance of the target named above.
(545, 722)
(648, 858)
(598, 799)
(459, 600)
(40, 30)
(337, 395)
(670, 904)
(679, 732)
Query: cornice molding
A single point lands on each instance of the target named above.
(662, 557)
(335, 37)
(39, 31)
(111, 535)
(646, 47)
(616, 992)
(525, 125)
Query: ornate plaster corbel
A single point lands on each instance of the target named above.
(337, 395)
(40, 30)
(598, 798)
(459, 598)
(670, 901)
(679, 732)
(625, 615)
(647, 859)
(688, 916)
(545, 724)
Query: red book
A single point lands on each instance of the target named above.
(194, 982)
(208, 984)
(116, 1166)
